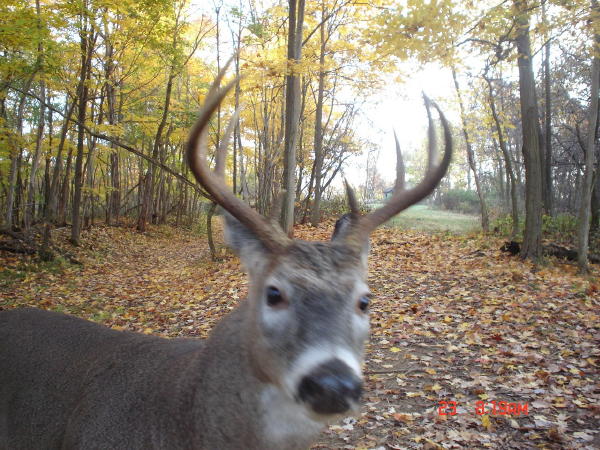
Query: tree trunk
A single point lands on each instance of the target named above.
(485, 221)
(209, 231)
(507, 162)
(113, 206)
(292, 111)
(315, 216)
(146, 208)
(52, 210)
(86, 46)
(31, 189)
(590, 153)
(532, 239)
(15, 158)
(548, 193)
(595, 225)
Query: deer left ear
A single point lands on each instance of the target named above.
(342, 226)
(342, 229)
(244, 243)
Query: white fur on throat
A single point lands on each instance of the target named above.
(286, 422)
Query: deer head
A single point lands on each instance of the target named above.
(308, 302)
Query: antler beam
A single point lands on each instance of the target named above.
(214, 182)
(402, 197)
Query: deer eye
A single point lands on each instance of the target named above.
(274, 297)
(363, 303)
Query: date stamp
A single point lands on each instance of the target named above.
(492, 408)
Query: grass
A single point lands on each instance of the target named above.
(423, 218)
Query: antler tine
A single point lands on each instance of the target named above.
(431, 136)
(403, 198)
(196, 149)
(351, 198)
(214, 87)
(400, 170)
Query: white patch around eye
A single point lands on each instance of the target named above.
(311, 358)
(274, 318)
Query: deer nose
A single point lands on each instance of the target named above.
(332, 388)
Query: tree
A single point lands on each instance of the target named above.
(508, 163)
(532, 238)
(485, 221)
(590, 150)
(292, 111)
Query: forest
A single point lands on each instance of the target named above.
(101, 215)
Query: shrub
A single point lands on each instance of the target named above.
(461, 200)
(559, 224)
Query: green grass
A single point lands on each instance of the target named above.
(422, 218)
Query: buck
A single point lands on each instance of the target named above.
(272, 374)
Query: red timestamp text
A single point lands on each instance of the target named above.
(494, 408)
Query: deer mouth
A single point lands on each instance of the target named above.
(331, 388)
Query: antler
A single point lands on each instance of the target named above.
(402, 197)
(271, 236)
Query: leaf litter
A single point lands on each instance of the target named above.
(453, 319)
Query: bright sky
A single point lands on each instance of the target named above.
(400, 107)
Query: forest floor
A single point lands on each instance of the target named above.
(453, 320)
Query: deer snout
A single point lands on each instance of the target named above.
(331, 388)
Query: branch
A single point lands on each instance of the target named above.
(118, 143)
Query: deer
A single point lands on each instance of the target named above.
(285, 363)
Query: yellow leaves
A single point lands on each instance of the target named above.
(394, 349)
(434, 387)
(486, 422)
(403, 418)
(415, 394)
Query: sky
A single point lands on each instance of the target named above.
(399, 106)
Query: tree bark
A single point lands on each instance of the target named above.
(31, 188)
(315, 216)
(548, 193)
(532, 239)
(30, 204)
(292, 111)
(15, 158)
(590, 153)
(209, 231)
(52, 210)
(86, 46)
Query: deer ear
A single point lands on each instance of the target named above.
(243, 242)
(342, 228)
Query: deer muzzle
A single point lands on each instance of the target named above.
(331, 388)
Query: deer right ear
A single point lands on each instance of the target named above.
(243, 242)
